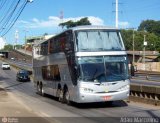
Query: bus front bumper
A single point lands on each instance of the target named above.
(102, 97)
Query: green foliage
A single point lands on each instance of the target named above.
(45, 34)
(153, 42)
(127, 38)
(151, 29)
(150, 26)
(8, 47)
(18, 46)
(70, 23)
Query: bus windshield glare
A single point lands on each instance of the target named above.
(103, 68)
(98, 40)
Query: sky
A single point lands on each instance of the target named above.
(43, 16)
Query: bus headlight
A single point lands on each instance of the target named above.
(125, 87)
(88, 90)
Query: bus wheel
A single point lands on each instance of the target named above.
(42, 91)
(58, 93)
(67, 97)
(60, 98)
(39, 88)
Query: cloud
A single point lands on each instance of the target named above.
(54, 21)
(96, 20)
(123, 24)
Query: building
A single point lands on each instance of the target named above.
(2, 42)
(35, 39)
(31, 40)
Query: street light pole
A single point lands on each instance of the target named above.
(133, 47)
(16, 39)
(25, 38)
(116, 14)
(145, 44)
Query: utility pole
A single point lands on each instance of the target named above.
(133, 47)
(61, 17)
(133, 43)
(145, 44)
(116, 14)
(25, 38)
(16, 38)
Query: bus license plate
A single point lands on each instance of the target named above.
(106, 98)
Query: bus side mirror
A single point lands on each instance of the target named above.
(67, 46)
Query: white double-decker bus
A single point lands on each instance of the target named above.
(82, 64)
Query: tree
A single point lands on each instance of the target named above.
(127, 38)
(8, 47)
(70, 23)
(150, 26)
(45, 34)
(153, 40)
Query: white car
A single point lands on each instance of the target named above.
(5, 66)
(12, 58)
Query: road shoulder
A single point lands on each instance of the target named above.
(15, 111)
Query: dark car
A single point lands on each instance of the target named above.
(23, 75)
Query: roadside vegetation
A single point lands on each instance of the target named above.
(151, 29)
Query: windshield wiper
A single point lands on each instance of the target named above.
(117, 75)
(83, 49)
(99, 77)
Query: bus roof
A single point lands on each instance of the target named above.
(85, 27)
(92, 27)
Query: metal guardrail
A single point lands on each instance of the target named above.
(147, 75)
(145, 94)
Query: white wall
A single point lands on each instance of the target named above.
(148, 66)
(2, 43)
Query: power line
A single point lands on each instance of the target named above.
(10, 14)
(2, 4)
(15, 19)
(7, 11)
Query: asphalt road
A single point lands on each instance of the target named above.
(57, 112)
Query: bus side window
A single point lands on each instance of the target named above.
(55, 73)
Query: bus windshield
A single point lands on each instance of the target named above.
(103, 69)
(98, 40)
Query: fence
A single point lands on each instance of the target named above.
(145, 94)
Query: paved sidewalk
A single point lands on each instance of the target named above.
(14, 111)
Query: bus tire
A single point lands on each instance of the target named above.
(58, 93)
(67, 97)
(38, 88)
(60, 98)
(42, 91)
